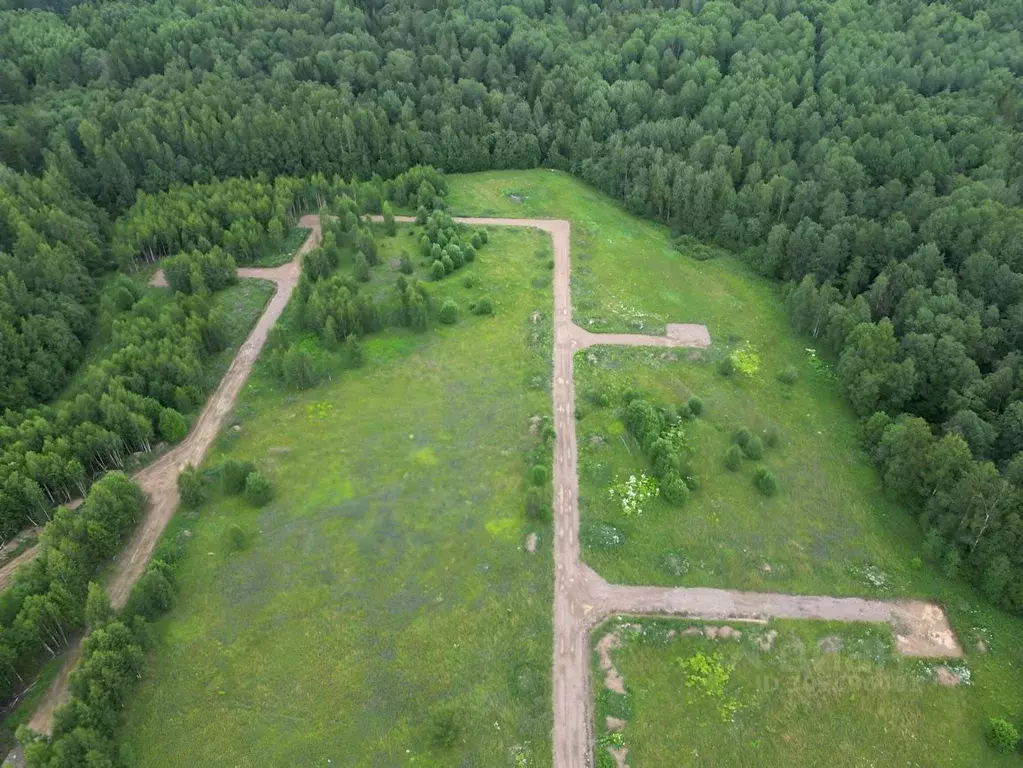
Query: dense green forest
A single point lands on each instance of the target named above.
(867, 153)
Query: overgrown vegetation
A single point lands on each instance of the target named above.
(46, 602)
(785, 694)
(113, 660)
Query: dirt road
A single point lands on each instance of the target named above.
(159, 479)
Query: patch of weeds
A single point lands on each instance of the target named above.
(614, 704)
(709, 676)
(599, 535)
(675, 563)
(445, 727)
(820, 367)
(872, 576)
(634, 492)
(613, 739)
(789, 376)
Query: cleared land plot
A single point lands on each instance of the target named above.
(827, 530)
(785, 694)
(384, 604)
(628, 276)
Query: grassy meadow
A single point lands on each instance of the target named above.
(384, 610)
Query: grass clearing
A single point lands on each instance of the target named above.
(384, 609)
(821, 694)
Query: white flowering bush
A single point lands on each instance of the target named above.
(634, 493)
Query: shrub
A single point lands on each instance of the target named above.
(468, 253)
(354, 349)
(629, 395)
(754, 447)
(1001, 735)
(173, 426)
(233, 473)
(538, 504)
(296, 367)
(726, 367)
(643, 421)
(405, 265)
(685, 413)
(539, 475)
(597, 398)
(746, 360)
(765, 481)
(437, 270)
(674, 489)
(470, 281)
(953, 563)
(695, 405)
(153, 593)
(484, 236)
(449, 265)
(454, 253)
(484, 305)
(476, 241)
(789, 376)
(742, 436)
(675, 563)
(772, 436)
(258, 489)
(600, 536)
(235, 538)
(448, 312)
(445, 729)
(733, 458)
(191, 487)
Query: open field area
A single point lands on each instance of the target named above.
(788, 693)
(385, 608)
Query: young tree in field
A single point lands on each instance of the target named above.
(390, 228)
(191, 487)
(258, 489)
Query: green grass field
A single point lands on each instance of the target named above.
(385, 603)
(798, 703)
(829, 529)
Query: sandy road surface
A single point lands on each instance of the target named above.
(159, 479)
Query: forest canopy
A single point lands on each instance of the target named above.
(869, 155)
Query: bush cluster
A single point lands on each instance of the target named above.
(658, 433)
(447, 246)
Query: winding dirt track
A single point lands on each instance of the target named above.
(581, 597)
(159, 479)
